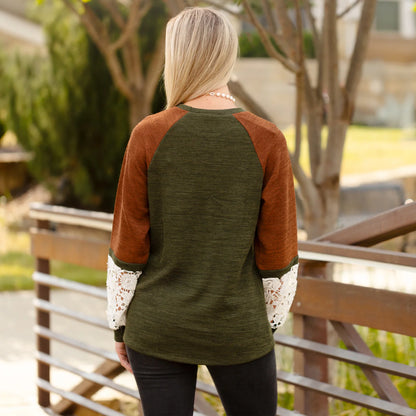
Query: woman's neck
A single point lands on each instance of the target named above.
(213, 102)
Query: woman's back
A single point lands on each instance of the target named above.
(200, 298)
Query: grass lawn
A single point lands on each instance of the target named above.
(16, 270)
(369, 149)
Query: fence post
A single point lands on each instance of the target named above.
(43, 319)
(309, 364)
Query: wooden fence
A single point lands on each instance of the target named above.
(81, 237)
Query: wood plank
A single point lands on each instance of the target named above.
(201, 405)
(361, 253)
(79, 400)
(60, 310)
(83, 252)
(374, 308)
(65, 215)
(86, 388)
(206, 388)
(53, 281)
(352, 357)
(99, 379)
(353, 397)
(99, 352)
(43, 343)
(381, 382)
(390, 224)
(43, 319)
(281, 411)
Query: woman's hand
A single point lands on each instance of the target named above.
(122, 356)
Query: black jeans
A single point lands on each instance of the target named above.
(167, 388)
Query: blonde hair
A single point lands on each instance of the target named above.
(200, 52)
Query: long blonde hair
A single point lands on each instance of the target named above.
(200, 53)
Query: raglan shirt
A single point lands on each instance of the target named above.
(205, 209)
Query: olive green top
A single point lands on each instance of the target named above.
(205, 208)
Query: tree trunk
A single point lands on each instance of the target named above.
(320, 218)
(139, 108)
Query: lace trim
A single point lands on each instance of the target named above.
(120, 290)
(279, 295)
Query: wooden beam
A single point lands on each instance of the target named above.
(72, 216)
(87, 388)
(79, 400)
(390, 224)
(356, 305)
(359, 399)
(360, 253)
(380, 381)
(43, 319)
(348, 356)
(201, 405)
(83, 252)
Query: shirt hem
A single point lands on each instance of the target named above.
(242, 358)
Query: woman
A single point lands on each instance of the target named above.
(204, 217)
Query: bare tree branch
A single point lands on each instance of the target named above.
(222, 6)
(348, 9)
(154, 70)
(299, 82)
(99, 34)
(95, 28)
(110, 5)
(360, 48)
(271, 50)
(287, 28)
(309, 192)
(133, 64)
(315, 34)
(335, 141)
(247, 100)
(271, 24)
(136, 14)
(332, 69)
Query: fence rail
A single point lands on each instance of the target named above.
(81, 237)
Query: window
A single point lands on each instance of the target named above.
(387, 16)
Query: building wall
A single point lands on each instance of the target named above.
(386, 96)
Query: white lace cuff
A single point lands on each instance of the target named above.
(121, 285)
(279, 295)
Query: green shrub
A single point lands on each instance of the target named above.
(64, 108)
(251, 45)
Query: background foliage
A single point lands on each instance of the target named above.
(251, 45)
(64, 108)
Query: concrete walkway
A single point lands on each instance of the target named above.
(17, 349)
(18, 395)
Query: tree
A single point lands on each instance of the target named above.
(116, 28)
(326, 102)
(64, 108)
(135, 77)
(135, 67)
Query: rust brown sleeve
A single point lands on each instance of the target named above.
(130, 243)
(276, 234)
(130, 235)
